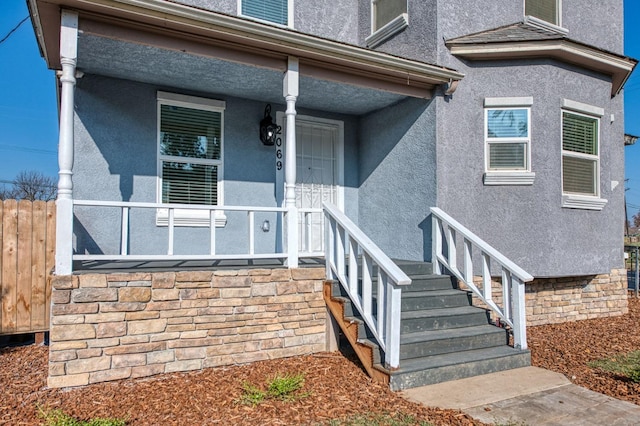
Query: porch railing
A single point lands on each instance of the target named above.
(512, 311)
(170, 223)
(352, 259)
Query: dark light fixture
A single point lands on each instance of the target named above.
(268, 129)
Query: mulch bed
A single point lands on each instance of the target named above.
(568, 348)
(337, 388)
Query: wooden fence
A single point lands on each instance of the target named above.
(27, 243)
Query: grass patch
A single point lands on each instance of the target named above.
(372, 419)
(286, 387)
(626, 365)
(60, 418)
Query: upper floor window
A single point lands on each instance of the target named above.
(508, 141)
(547, 10)
(581, 155)
(388, 17)
(274, 11)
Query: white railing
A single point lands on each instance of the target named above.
(311, 233)
(171, 224)
(345, 245)
(512, 311)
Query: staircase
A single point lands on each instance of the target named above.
(442, 336)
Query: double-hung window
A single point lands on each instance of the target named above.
(274, 11)
(388, 17)
(507, 134)
(581, 156)
(190, 147)
(546, 10)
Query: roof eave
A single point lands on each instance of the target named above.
(617, 66)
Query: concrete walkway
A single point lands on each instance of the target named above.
(527, 396)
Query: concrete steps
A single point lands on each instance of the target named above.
(442, 336)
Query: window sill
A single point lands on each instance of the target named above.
(532, 20)
(191, 218)
(392, 28)
(583, 202)
(509, 178)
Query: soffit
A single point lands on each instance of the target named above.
(525, 40)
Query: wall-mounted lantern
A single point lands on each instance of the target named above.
(268, 129)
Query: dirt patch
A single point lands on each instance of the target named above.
(568, 348)
(337, 388)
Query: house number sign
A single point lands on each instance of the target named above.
(279, 153)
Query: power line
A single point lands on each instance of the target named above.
(14, 29)
(27, 149)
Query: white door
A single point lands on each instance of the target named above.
(318, 149)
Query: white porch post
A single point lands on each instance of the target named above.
(64, 203)
(290, 93)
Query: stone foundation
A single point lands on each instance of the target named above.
(556, 300)
(116, 326)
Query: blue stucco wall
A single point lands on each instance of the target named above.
(398, 177)
(116, 160)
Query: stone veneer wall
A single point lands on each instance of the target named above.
(556, 300)
(117, 326)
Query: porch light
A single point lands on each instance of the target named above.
(268, 129)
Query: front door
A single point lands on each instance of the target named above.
(318, 176)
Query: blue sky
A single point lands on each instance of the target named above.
(28, 110)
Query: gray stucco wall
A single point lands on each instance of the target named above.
(528, 223)
(116, 159)
(398, 176)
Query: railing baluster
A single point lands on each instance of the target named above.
(436, 249)
(353, 265)
(381, 308)
(506, 293)
(392, 318)
(308, 231)
(486, 277)
(452, 255)
(124, 236)
(252, 248)
(212, 229)
(367, 273)
(171, 224)
(519, 319)
(468, 261)
(340, 249)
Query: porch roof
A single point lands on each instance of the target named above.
(114, 33)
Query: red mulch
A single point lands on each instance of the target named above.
(568, 348)
(338, 388)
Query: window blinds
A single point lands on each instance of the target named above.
(579, 133)
(387, 10)
(269, 10)
(580, 157)
(547, 10)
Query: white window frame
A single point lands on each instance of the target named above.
(387, 31)
(506, 176)
(290, 16)
(575, 200)
(557, 27)
(190, 217)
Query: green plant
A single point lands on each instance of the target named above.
(285, 387)
(60, 418)
(627, 365)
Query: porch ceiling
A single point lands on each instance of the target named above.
(199, 73)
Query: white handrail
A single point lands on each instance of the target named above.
(344, 244)
(512, 311)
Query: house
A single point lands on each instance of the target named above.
(212, 152)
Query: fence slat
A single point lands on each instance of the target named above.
(23, 273)
(38, 266)
(9, 265)
(50, 256)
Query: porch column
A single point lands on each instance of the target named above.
(64, 202)
(290, 93)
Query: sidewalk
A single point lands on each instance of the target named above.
(527, 396)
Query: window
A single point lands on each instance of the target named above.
(547, 10)
(388, 17)
(581, 156)
(274, 11)
(507, 137)
(190, 136)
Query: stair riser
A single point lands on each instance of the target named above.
(418, 268)
(436, 302)
(458, 371)
(433, 283)
(442, 322)
(447, 346)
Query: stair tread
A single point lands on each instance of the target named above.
(454, 358)
(449, 333)
(441, 312)
(432, 293)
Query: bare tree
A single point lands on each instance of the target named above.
(636, 220)
(30, 185)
